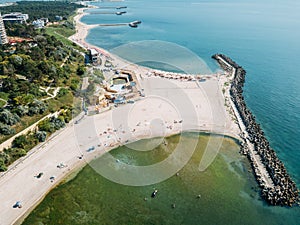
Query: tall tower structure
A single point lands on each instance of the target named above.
(3, 37)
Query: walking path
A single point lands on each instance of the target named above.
(256, 158)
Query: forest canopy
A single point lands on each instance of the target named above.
(39, 9)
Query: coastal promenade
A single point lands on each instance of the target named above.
(277, 186)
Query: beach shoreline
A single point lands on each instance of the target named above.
(82, 31)
(278, 188)
(70, 149)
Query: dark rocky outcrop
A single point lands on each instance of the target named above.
(284, 191)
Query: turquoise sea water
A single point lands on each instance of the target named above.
(262, 36)
(228, 192)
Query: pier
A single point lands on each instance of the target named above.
(133, 24)
(277, 187)
(108, 13)
(112, 24)
(112, 7)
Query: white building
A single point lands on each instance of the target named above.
(46, 20)
(38, 24)
(94, 55)
(3, 37)
(15, 17)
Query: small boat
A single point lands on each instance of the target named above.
(133, 25)
(154, 193)
(120, 13)
(137, 22)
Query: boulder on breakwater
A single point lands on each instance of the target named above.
(284, 191)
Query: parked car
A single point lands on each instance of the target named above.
(17, 205)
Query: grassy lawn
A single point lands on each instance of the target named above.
(62, 34)
(55, 31)
(62, 31)
(59, 102)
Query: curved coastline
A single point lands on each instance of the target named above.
(268, 193)
(277, 187)
(64, 147)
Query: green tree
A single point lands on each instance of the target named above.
(6, 130)
(23, 99)
(37, 54)
(37, 107)
(80, 70)
(41, 136)
(2, 165)
(5, 157)
(20, 142)
(58, 122)
(20, 110)
(74, 84)
(62, 92)
(46, 125)
(8, 118)
(16, 60)
(16, 153)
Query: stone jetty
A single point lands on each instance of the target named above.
(277, 187)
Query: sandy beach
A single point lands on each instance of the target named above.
(82, 31)
(170, 107)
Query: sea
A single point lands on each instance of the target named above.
(263, 37)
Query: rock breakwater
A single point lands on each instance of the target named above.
(277, 187)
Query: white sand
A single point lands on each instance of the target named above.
(143, 119)
(199, 105)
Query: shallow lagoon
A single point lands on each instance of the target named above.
(228, 192)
